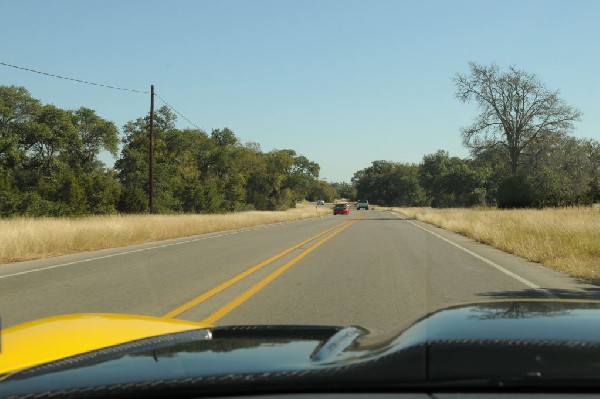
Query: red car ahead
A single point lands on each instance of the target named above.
(341, 208)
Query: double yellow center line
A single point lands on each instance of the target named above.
(262, 283)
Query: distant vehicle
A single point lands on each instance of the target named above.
(362, 204)
(320, 202)
(341, 208)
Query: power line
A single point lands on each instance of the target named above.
(177, 112)
(73, 79)
(100, 85)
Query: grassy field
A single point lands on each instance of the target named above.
(28, 238)
(563, 239)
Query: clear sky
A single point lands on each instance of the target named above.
(343, 82)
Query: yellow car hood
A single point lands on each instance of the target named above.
(45, 340)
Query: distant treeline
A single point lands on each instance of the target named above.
(563, 171)
(521, 156)
(49, 165)
(521, 152)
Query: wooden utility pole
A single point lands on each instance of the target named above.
(151, 152)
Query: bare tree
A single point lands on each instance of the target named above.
(516, 110)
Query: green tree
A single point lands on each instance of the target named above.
(321, 190)
(18, 111)
(390, 184)
(302, 176)
(516, 110)
(48, 158)
(95, 134)
(562, 171)
(367, 181)
(345, 190)
(133, 165)
(52, 141)
(452, 181)
(401, 186)
(279, 164)
(516, 191)
(593, 155)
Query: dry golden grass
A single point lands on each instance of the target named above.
(564, 239)
(28, 238)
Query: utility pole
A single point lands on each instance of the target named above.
(151, 152)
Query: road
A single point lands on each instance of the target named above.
(376, 269)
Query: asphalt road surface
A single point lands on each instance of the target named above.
(371, 268)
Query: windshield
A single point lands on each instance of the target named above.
(185, 160)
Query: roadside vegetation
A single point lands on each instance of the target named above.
(33, 238)
(522, 156)
(522, 153)
(528, 188)
(567, 240)
(50, 166)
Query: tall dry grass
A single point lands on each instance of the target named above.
(34, 238)
(564, 239)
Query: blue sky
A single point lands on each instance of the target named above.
(342, 82)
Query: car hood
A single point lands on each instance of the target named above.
(53, 338)
(518, 343)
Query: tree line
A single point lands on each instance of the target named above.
(522, 153)
(50, 166)
(566, 175)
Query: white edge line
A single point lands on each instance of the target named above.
(522, 280)
(113, 255)
(149, 248)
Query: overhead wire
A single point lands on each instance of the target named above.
(100, 85)
(177, 112)
(73, 79)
